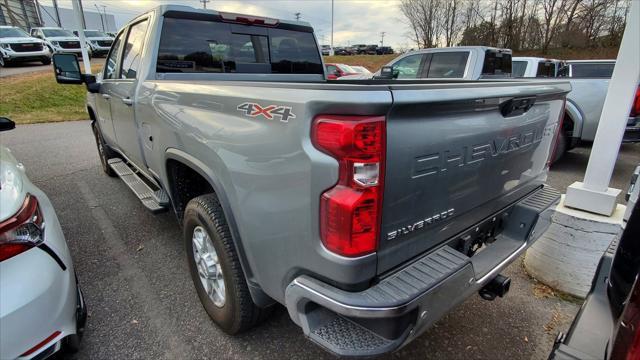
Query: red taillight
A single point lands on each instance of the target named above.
(635, 107)
(22, 231)
(247, 19)
(350, 212)
(41, 344)
(556, 134)
(626, 344)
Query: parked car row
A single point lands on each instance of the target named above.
(16, 45)
(361, 49)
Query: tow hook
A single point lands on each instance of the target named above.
(499, 286)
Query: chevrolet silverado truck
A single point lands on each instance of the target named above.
(368, 208)
(458, 62)
(589, 84)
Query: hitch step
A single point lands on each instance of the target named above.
(154, 200)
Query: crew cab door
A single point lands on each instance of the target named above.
(103, 99)
(122, 93)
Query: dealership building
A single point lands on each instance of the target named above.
(29, 13)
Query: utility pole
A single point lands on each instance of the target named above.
(331, 50)
(382, 38)
(204, 3)
(297, 15)
(99, 13)
(55, 8)
(83, 23)
(77, 10)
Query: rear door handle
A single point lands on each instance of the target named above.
(106, 96)
(127, 101)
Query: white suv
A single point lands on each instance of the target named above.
(17, 46)
(58, 40)
(98, 42)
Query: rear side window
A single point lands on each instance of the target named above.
(518, 68)
(188, 45)
(496, 63)
(546, 69)
(592, 70)
(448, 64)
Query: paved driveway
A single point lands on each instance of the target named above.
(142, 304)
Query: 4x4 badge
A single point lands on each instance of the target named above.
(282, 113)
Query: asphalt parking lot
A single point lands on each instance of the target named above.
(142, 304)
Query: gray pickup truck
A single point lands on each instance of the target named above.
(369, 209)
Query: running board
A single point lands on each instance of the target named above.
(154, 200)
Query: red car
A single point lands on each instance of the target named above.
(334, 71)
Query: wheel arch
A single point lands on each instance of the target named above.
(575, 115)
(175, 157)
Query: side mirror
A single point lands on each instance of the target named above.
(6, 124)
(67, 69)
(388, 73)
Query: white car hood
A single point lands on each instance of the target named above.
(99, 38)
(12, 179)
(14, 40)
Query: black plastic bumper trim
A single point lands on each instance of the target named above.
(48, 250)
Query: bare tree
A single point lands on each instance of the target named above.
(451, 24)
(424, 18)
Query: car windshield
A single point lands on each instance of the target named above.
(57, 33)
(361, 69)
(347, 68)
(518, 68)
(12, 32)
(94, 33)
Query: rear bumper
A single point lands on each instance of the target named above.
(404, 304)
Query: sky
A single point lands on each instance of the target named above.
(355, 21)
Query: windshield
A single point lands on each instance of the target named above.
(57, 33)
(361, 69)
(12, 32)
(347, 68)
(518, 68)
(94, 33)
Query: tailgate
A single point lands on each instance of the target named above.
(456, 154)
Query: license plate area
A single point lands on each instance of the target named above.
(482, 235)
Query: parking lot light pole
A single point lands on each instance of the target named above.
(83, 43)
(594, 194)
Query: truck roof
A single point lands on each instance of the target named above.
(455, 48)
(533, 58)
(163, 9)
(593, 61)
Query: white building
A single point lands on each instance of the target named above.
(93, 19)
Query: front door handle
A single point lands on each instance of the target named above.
(106, 96)
(127, 101)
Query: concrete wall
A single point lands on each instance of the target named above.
(91, 18)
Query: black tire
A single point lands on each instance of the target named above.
(238, 313)
(3, 62)
(104, 153)
(46, 61)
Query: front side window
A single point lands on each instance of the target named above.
(604, 70)
(408, 67)
(188, 45)
(133, 50)
(448, 64)
(112, 59)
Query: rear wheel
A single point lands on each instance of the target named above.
(46, 60)
(3, 62)
(561, 146)
(104, 152)
(215, 267)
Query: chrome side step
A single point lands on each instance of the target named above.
(154, 200)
